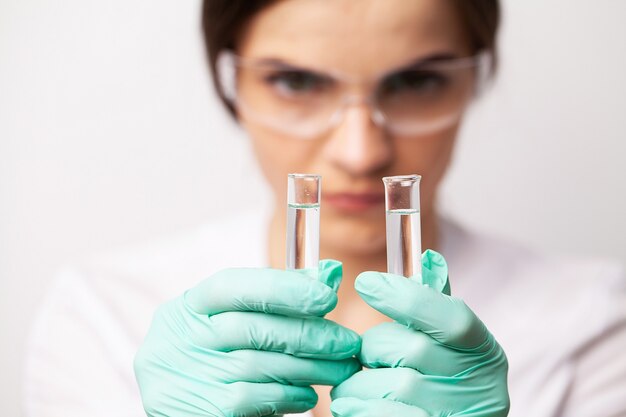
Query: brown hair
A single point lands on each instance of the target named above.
(223, 21)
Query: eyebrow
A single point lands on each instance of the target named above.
(435, 58)
(432, 58)
(282, 64)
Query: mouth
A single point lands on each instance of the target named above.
(353, 202)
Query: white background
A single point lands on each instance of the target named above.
(109, 134)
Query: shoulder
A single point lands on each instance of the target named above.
(560, 319)
(174, 263)
(505, 262)
(138, 277)
(96, 313)
(514, 289)
(113, 295)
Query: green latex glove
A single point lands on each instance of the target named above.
(246, 342)
(436, 359)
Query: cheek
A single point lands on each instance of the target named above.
(279, 156)
(429, 157)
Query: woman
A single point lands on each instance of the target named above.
(353, 91)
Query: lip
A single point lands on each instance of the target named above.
(353, 202)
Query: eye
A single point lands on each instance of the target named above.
(292, 82)
(414, 82)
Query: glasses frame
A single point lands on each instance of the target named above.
(228, 62)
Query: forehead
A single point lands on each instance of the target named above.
(356, 36)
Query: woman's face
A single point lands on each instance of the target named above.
(361, 39)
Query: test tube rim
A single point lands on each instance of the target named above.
(307, 178)
(398, 182)
(402, 178)
(297, 175)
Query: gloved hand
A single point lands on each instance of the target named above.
(246, 342)
(436, 359)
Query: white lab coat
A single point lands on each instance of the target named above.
(561, 322)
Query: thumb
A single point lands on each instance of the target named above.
(330, 273)
(434, 272)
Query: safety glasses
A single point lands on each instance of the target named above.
(411, 101)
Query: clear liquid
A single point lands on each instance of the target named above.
(404, 243)
(303, 236)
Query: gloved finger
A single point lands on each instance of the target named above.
(244, 399)
(455, 395)
(264, 367)
(264, 290)
(260, 366)
(446, 319)
(306, 337)
(392, 345)
(354, 407)
(397, 384)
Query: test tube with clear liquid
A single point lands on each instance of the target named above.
(404, 235)
(303, 221)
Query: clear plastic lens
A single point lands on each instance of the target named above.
(280, 98)
(424, 98)
(293, 84)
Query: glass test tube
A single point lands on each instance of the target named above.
(303, 221)
(404, 240)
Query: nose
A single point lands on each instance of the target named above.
(357, 144)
